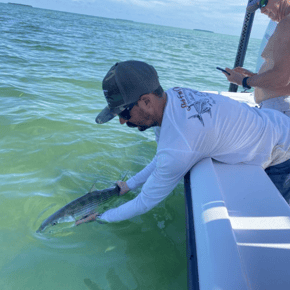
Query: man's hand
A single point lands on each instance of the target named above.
(123, 187)
(243, 71)
(90, 218)
(234, 77)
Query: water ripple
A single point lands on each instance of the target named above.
(52, 151)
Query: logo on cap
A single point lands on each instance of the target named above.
(112, 74)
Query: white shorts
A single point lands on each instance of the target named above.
(281, 104)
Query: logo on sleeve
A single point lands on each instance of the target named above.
(201, 102)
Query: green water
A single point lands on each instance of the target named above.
(51, 151)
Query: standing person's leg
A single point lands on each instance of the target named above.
(280, 176)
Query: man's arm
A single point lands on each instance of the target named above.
(152, 193)
(279, 76)
(172, 167)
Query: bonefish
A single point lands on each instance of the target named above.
(80, 207)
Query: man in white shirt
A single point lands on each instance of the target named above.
(189, 126)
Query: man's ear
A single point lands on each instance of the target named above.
(146, 99)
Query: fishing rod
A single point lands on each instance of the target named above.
(244, 40)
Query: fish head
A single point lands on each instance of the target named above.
(54, 223)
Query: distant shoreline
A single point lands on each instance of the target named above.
(19, 4)
(202, 30)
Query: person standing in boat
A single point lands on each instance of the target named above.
(189, 125)
(272, 82)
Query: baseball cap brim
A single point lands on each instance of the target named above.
(105, 116)
(108, 114)
(253, 6)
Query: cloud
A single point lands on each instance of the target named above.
(148, 4)
(181, 3)
(141, 3)
(220, 16)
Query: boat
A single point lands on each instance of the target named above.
(237, 222)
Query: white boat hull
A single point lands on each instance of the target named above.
(242, 228)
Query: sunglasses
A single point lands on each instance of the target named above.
(263, 3)
(125, 114)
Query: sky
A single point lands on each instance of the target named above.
(223, 16)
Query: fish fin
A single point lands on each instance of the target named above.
(93, 186)
(125, 176)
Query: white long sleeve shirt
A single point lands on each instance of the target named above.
(196, 125)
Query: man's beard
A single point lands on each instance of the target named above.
(140, 127)
(146, 118)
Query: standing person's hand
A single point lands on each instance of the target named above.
(243, 71)
(234, 77)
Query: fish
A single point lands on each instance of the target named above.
(79, 208)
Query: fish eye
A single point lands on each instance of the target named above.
(54, 223)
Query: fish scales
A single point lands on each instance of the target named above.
(80, 207)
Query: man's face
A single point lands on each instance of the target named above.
(272, 10)
(142, 115)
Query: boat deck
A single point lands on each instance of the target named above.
(241, 97)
